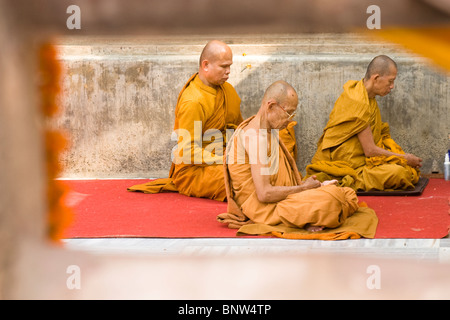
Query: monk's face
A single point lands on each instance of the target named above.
(384, 84)
(281, 114)
(217, 69)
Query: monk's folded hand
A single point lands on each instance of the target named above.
(311, 183)
(413, 161)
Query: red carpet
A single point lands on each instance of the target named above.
(104, 208)
(424, 216)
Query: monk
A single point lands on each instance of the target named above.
(356, 147)
(265, 190)
(208, 108)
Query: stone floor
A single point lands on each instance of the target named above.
(234, 269)
(436, 250)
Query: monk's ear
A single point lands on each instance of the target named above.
(204, 65)
(375, 77)
(270, 104)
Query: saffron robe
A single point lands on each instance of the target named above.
(335, 208)
(340, 155)
(204, 116)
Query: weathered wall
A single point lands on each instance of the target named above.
(120, 95)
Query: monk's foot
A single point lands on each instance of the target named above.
(314, 228)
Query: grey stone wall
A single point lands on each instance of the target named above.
(120, 95)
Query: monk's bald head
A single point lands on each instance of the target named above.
(214, 50)
(279, 105)
(381, 65)
(215, 63)
(282, 92)
(380, 76)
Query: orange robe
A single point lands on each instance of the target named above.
(332, 207)
(340, 155)
(202, 117)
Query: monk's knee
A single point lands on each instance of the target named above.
(201, 182)
(397, 170)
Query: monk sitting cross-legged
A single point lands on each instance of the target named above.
(206, 102)
(265, 191)
(208, 108)
(356, 147)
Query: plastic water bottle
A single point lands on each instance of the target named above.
(447, 167)
(447, 162)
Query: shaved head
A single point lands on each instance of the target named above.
(381, 65)
(213, 50)
(278, 106)
(215, 63)
(281, 91)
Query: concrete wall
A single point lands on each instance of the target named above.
(120, 94)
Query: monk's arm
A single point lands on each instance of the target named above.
(266, 192)
(372, 150)
(264, 189)
(191, 119)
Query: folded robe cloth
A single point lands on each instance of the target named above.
(362, 224)
(352, 220)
